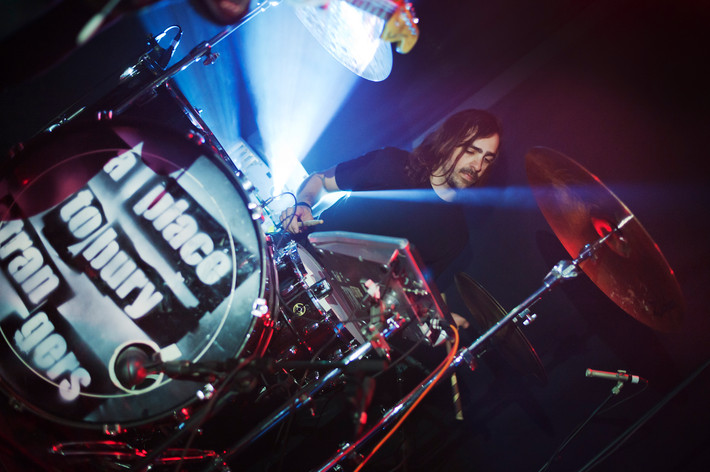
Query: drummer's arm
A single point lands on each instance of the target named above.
(460, 321)
(308, 195)
(316, 185)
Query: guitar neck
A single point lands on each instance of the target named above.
(380, 8)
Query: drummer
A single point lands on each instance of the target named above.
(414, 195)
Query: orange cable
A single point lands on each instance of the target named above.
(442, 369)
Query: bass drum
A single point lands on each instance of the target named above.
(120, 241)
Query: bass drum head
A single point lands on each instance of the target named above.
(119, 241)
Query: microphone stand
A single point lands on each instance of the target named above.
(213, 371)
(562, 271)
(199, 51)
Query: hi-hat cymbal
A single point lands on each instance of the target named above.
(629, 267)
(509, 340)
(350, 34)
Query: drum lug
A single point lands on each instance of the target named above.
(113, 429)
(256, 211)
(104, 115)
(183, 414)
(260, 308)
(321, 289)
(206, 392)
(196, 138)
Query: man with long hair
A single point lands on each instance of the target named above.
(410, 195)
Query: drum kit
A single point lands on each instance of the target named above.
(141, 295)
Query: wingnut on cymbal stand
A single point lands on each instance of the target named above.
(562, 271)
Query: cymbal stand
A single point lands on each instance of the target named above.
(562, 271)
(204, 49)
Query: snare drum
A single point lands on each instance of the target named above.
(119, 239)
(314, 324)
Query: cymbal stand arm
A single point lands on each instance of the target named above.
(306, 394)
(204, 49)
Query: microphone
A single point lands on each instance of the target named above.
(130, 367)
(620, 376)
(208, 371)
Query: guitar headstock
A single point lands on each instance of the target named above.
(401, 28)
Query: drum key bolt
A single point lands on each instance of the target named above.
(256, 211)
(210, 58)
(196, 138)
(205, 393)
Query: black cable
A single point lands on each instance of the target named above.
(401, 358)
(637, 393)
(574, 433)
(218, 396)
(280, 224)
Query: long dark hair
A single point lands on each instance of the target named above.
(460, 129)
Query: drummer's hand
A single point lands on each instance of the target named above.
(461, 322)
(293, 217)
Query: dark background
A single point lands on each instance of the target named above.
(620, 87)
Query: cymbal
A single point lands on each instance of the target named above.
(350, 34)
(629, 267)
(509, 340)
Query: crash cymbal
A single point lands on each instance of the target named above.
(509, 340)
(629, 267)
(350, 34)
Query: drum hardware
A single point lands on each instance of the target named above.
(353, 363)
(380, 270)
(306, 394)
(202, 50)
(314, 324)
(101, 103)
(114, 455)
(509, 341)
(357, 263)
(527, 317)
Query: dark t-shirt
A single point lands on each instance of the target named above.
(384, 202)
